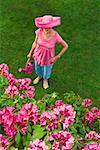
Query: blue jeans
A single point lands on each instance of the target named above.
(43, 71)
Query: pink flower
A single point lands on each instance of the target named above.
(28, 92)
(66, 115)
(27, 113)
(12, 90)
(63, 114)
(92, 146)
(24, 130)
(63, 140)
(37, 145)
(51, 106)
(4, 114)
(96, 112)
(3, 142)
(23, 83)
(89, 116)
(11, 79)
(59, 102)
(49, 119)
(10, 130)
(8, 119)
(92, 135)
(93, 114)
(4, 69)
(87, 102)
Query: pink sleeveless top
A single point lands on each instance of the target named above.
(45, 49)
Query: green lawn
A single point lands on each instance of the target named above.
(79, 68)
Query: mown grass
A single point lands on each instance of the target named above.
(79, 68)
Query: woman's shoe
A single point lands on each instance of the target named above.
(45, 84)
(37, 80)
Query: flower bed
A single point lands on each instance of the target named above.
(51, 123)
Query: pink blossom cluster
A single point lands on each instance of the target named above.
(12, 90)
(92, 135)
(11, 122)
(37, 145)
(66, 113)
(17, 86)
(28, 92)
(4, 69)
(8, 119)
(49, 119)
(93, 114)
(87, 102)
(92, 146)
(62, 113)
(28, 112)
(63, 140)
(11, 79)
(22, 83)
(3, 142)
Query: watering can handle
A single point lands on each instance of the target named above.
(28, 60)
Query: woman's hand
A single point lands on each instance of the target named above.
(54, 59)
(29, 55)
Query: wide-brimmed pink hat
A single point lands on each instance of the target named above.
(47, 21)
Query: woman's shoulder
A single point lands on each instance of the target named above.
(58, 37)
(37, 32)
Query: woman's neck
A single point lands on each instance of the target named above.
(49, 35)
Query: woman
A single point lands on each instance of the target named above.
(43, 48)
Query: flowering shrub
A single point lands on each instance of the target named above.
(93, 114)
(63, 140)
(16, 86)
(92, 135)
(63, 114)
(51, 123)
(3, 142)
(92, 146)
(87, 102)
(4, 69)
(38, 145)
(10, 121)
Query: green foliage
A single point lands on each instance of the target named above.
(78, 129)
(38, 132)
(3, 81)
(6, 100)
(18, 139)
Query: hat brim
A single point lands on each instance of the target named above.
(56, 21)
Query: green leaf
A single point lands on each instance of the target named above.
(75, 146)
(60, 126)
(48, 144)
(26, 143)
(38, 127)
(29, 128)
(81, 131)
(24, 139)
(73, 129)
(18, 138)
(3, 81)
(28, 136)
(89, 141)
(38, 132)
(88, 129)
(13, 148)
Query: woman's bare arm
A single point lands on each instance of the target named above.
(33, 47)
(65, 47)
